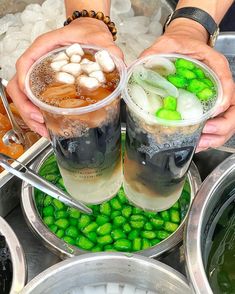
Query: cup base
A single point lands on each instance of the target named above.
(150, 203)
(93, 191)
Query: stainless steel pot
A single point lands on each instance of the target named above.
(63, 249)
(98, 268)
(17, 257)
(206, 208)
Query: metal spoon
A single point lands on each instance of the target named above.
(29, 176)
(15, 134)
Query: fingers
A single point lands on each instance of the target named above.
(219, 64)
(115, 50)
(198, 50)
(39, 47)
(29, 112)
(218, 130)
(86, 31)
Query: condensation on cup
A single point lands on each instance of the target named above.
(158, 152)
(78, 88)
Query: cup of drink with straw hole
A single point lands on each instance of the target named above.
(78, 88)
(169, 98)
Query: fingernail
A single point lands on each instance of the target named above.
(37, 117)
(199, 150)
(204, 144)
(209, 128)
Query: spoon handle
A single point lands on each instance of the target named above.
(13, 121)
(29, 176)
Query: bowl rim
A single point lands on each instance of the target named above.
(100, 257)
(63, 249)
(19, 274)
(194, 226)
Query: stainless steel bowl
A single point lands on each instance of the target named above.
(17, 257)
(212, 195)
(98, 268)
(63, 249)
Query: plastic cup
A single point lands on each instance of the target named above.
(158, 153)
(86, 140)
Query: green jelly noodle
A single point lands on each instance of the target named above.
(116, 225)
(190, 77)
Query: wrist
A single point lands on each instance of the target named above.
(100, 5)
(92, 25)
(94, 19)
(187, 28)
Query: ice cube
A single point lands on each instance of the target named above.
(38, 29)
(27, 29)
(155, 28)
(112, 288)
(128, 289)
(88, 290)
(136, 47)
(120, 6)
(30, 16)
(9, 44)
(5, 22)
(146, 40)
(157, 14)
(34, 7)
(99, 290)
(51, 8)
(140, 291)
(127, 14)
(135, 25)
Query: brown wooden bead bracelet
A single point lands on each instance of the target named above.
(98, 15)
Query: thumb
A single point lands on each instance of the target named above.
(115, 50)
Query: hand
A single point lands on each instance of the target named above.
(83, 30)
(187, 37)
(218, 130)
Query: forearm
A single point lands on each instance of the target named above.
(216, 8)
(96, 5)
(184, 26)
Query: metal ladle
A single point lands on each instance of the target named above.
(15, 134)
(29, 176)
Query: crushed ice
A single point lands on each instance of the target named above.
(136, 32)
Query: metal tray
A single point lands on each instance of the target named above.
(10, 186)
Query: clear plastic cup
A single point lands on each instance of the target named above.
(158, 153)
(86, 140)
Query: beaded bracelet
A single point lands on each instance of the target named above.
(98, 15)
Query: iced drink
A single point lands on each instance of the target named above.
(78, 91)
(168, 101)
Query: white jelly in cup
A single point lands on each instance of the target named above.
(86, 139)
(158, 151)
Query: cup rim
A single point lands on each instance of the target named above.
(80, 110)
(152, 119)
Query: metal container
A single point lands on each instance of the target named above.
(226, 45)
(17, 257)
(10, 185)
(63, 249)
(213, 157)
(98, 268)
(206, 208)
